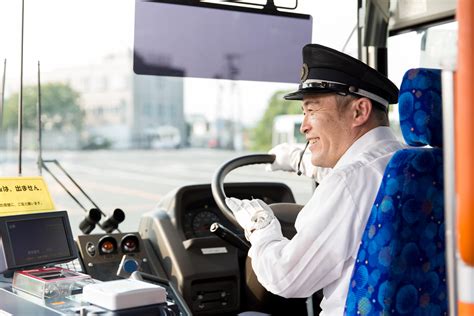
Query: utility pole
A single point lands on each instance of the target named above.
(233, 71)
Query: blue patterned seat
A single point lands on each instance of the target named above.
(400, 266)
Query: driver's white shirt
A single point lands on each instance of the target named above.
(329, 228)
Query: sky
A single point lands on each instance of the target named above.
(61, 33)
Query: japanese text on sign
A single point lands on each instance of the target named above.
(24, 195)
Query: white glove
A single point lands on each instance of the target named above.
(250, 214)
(286, 157)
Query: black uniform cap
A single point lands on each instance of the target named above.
(327, 70)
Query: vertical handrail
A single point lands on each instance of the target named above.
(2, 100)
(449, 187)
(38, 113)
(20, 94)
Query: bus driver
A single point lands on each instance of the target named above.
(345, 106)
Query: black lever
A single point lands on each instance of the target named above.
(229, 236)
(112, 222)
(90, 220)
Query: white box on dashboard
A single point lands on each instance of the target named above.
(122, 294)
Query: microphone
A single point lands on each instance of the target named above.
(301, 159)
(88, 223)
(112, 222)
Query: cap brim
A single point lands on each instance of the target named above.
(298, 95)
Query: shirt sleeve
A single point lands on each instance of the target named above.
(315, 256)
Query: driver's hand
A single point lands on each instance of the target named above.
(286, 157)
(250, 214)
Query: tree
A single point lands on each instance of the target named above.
(261, 135)
(59, 106)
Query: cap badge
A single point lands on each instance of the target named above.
(304, 72)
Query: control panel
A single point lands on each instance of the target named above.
(113, 256)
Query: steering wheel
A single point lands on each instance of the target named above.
(256, 297)
(285, 212)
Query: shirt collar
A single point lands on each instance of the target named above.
(369, 139)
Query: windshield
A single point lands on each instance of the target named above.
(128, 139)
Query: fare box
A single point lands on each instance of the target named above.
(122, 294)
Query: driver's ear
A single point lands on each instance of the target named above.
(361, 109)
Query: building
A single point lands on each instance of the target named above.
(125, 110)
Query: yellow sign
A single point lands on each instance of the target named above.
(24, 195)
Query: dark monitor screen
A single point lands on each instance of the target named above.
(35, 240)
(208, 42)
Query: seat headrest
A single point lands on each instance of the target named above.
(419, 106)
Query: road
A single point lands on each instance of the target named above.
(135, 180)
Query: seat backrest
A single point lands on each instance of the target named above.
(400, 266)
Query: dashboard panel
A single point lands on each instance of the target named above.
(197, 222)
(196, 209)
(203, 266)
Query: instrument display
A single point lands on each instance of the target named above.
(197, 221)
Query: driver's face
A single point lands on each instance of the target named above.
(326, 128)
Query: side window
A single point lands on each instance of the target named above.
(433, 47)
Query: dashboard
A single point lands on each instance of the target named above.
(204, 267)
(195, 209)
